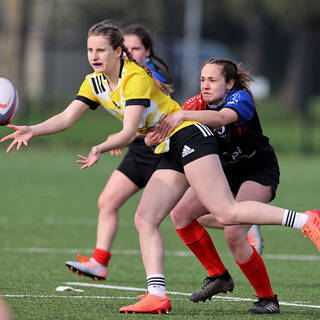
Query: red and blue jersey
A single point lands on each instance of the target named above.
(241, 144)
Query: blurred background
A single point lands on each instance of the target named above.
(43, 52)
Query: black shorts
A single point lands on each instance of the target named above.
(188, 144)
(267, 174)
(139, 163)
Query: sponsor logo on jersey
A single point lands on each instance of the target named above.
(186, 150)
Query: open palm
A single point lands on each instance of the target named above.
(93, 157)
(20, 137)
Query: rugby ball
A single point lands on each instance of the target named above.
(9, 101)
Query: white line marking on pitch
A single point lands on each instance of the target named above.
(138, 289)
(104, 286)
(58, 296)
(135, 252)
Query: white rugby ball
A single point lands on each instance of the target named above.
(9, 101)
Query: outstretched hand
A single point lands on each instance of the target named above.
(20, 137)
(93, 157)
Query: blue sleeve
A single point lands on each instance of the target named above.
(241, 102)
(156, 74)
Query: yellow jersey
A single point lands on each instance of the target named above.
(135, 87)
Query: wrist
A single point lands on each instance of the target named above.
(32, 130)
(183, 115)
(97, 149)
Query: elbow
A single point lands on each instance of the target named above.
(128, 137)
(218, 122)
(131, 138)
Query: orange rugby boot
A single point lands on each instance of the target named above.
(143, 295)
(151, 303)
(312, 227)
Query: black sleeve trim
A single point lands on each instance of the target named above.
(92, 105)
(140, 102)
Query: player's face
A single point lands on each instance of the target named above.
(136, 48)
(101, 56)
(213, 85)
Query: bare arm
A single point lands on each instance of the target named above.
(57, 123)
(131, 121)
(62, 121)
(214, 119)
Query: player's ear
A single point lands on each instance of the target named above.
(119, 52)
(230, 84)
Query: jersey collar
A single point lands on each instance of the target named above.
(120, 72)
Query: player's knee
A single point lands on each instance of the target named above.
(106, 204)
(233, 239)
(140, 222)
(175, 216)
(183, 215)
(145, 221)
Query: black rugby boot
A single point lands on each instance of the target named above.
(266, 305)
(213, 285)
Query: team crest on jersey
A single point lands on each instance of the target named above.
(222, 132)
(234, 99)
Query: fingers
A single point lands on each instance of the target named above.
(153, 138)
(12, 135)
(12, 126)
(116, 152)
(81, 161)
(87, 165)
(86, 161)
(82, 157)
(11, 146)
(164, 129)
(5, 138)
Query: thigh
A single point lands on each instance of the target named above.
(160, 195)
(207, 179)
(118, 189)
(251, 190)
